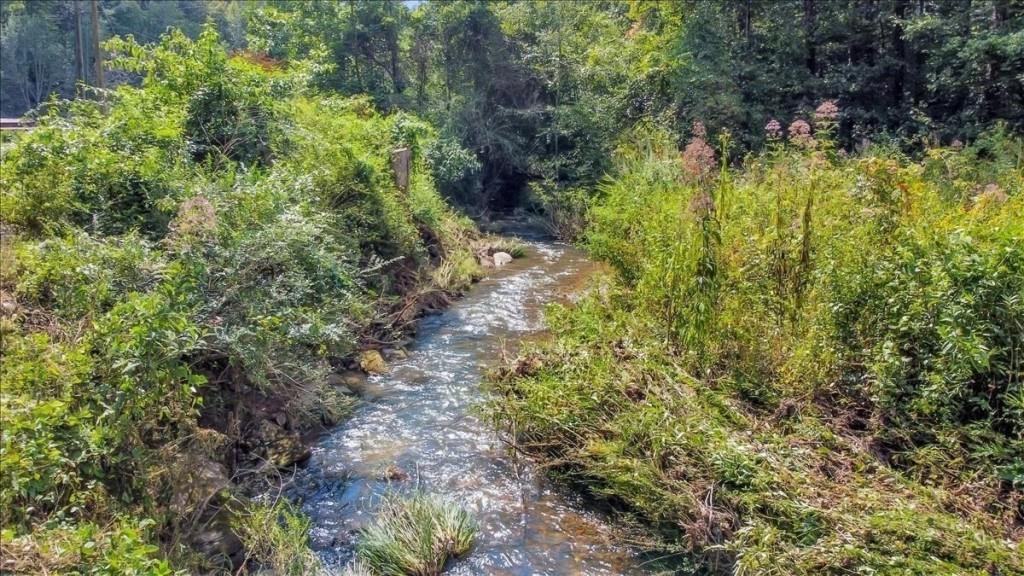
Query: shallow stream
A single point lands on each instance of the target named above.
(421, 417)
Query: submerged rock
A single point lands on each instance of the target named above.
(394, 473)
(395, 354)
(371, 362)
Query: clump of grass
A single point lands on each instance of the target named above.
(491, 244)
(277, 537)
(513, 246)
(357, 568)
(455, 274)
(416, 536)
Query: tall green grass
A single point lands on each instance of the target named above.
(415, 536)
(810, 365)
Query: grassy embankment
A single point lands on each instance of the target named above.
(182, 269)
(810, 365)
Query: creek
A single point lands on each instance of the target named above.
(422, 419)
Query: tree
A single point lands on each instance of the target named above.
(34, 60)
(97, 51)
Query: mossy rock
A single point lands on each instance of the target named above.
(288, 451)
(371, 362)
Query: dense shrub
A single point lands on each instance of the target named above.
(176, 258)
(813, 362)
(107, 174)
(455, 169)
(938, 323)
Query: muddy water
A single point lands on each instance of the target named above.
(421, 417)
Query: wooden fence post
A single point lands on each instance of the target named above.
(400, 160)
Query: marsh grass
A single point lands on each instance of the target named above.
(415, 536)
(357, 568)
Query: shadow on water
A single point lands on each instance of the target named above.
(422, 419)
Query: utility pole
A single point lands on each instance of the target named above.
(97, 51)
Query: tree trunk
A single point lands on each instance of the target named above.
(899, 44)
(810, 19)
(79, 49)
(97, 51)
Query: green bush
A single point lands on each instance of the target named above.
(177, 258)
(107, 174)
(455, 169)
(939, 320)
(122, 548)
(787, 353)
(276, 537)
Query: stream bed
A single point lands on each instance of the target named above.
(422, 418)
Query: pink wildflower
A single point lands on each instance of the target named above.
(773, 129)
(991, 194)
(698, 158)
(196, 218)
(827, 112)
(800, 134)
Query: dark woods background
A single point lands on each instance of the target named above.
(538, 90)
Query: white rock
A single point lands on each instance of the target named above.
(501, 258)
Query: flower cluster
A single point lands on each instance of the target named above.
(698, 157)
(773, 129)
(196, 219)
(800, 134)
(699, 131)
(990, 194)
(826, 112)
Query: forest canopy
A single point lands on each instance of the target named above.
(538, 90)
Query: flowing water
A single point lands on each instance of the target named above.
(422, 417)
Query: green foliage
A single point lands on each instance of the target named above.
(121, 548)
(455, 169)
(200, 243)
(789, 353)
(276, 537)
(32, 56)
(415, 535)
(108, 175)
(218, 230)
(938, 318)
(46, 48)
(229, 103)
(542, 90)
